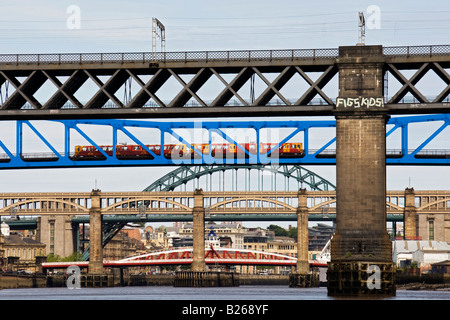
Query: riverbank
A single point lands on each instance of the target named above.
(424, 286)
(15, 281)
(429, 281)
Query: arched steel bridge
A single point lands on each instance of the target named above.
(182, 175)
(213, 256)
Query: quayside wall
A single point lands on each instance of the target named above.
(13, 281)
(155, 280)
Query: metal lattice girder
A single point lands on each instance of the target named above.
(68, 73)
(409, 85)
(67, 78)
(25, 90)
(106, 90)
(66, 91)
(184, 174)
(109, 230)
(189, 89)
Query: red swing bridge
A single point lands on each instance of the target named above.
(213, 256)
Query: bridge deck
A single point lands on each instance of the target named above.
(180, 204)
(79, 68)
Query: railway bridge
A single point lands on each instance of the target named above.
(61, 213)
(360, 103)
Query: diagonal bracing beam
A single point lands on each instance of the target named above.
(233, 87)
(437, 68)
(148, 89)
(408, 85)
(189, 90)
(65, 91)
(317, 86)
(274, 87)
(24, 91)
(107, 89)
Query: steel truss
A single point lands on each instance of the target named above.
(324, 155)
(409, 85)
(108, 73)
(107, 82)
(109, 231)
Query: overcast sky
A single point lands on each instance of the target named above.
(125, 26)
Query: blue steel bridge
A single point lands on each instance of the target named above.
(429, 147)
(51, 86)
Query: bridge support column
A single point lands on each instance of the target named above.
(198, 263)
(303, 277)
(302, 233)
(95, 235)
(410, 215)
(361, 251)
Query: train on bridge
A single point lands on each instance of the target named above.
(179, 151)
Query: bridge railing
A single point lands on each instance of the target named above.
(435, 50)
(205, 56)
(186, 56)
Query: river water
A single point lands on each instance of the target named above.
(244, 302)
(253, 293)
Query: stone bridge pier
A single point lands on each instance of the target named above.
(198, 217)
(361, 251)
(95, 235)
(303, 277)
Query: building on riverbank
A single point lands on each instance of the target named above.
(423, 253)
(19, 252)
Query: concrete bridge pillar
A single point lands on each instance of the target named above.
(95, 235)
(410, 214)
(198, 263)
(361, 244)
(302, 233)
